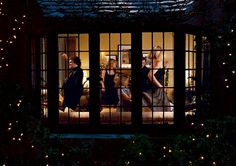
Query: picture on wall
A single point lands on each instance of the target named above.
(124, 56)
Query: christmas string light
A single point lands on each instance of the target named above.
(17, 22)
(228, 46)
(127, 163)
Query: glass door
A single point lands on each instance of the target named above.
(73, 70)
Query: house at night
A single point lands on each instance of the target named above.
(127, 31)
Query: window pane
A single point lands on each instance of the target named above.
(146, 41)
(84, 42)
(125, 38)
(169, 40)
(104, 42)
(157, 39)
(115, 41)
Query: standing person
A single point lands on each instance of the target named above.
(144, 75)
(124, 94)
(110, 96)
(73, 86)
(155, 97)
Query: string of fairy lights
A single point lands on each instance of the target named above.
(228, 65)
(15, 26)
(18, 136)
(167, 150)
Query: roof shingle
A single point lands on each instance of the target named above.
(67, 8)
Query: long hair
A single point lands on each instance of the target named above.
(154, 55)
(110, 63)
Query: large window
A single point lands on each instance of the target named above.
(38, 63)
(190, 74)
(73, 102)
(115, 73)
(43, 77)
(157, 77)
(119, 60)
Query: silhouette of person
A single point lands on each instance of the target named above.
(110, 96)
(73, 86)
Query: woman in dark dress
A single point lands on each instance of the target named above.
(155, 97)
(110, 96)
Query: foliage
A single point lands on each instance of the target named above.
(212, 143)
(139, 151)
(25, 141)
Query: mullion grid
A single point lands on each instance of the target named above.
(191, 69)
(164, 88)
(43, 76)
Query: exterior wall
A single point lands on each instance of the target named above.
(20, 69)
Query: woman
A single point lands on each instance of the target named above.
(155, 97)
(110, 96)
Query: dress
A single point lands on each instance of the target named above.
(145, 81)
(155, 98)
(73, 88)
(110, 95)
(124, 105)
